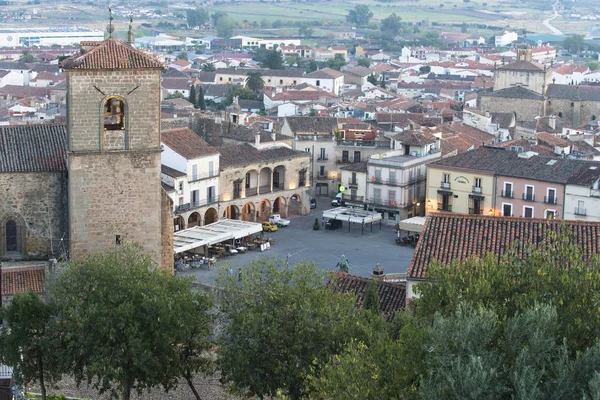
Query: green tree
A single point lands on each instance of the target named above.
(312, 66)
(201, 104)
(337, 63)
(364, 62)
(306, 31)
(27, 57)
(593, 65)
(124, 323)
(291, 60)
(372, 79)
(208, 67)
(274, 60)
(225, 26)
(573, 44)
(255, 81)
(359, 15)
(176, 95)
(555, 273)
(27, 342)
(372, 297)
(281, 323)
(182, 56)
(216, 16)
(193, 96)
(197, 17)
(239, 92)
(391, 24)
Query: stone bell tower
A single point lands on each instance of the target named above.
(114, 150)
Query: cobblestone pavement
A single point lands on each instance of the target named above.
(300, 242)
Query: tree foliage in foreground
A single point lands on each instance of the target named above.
(27, 341)
(124, 323)
(282, 324)
(359, 15)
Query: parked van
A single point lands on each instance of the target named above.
(337, 201)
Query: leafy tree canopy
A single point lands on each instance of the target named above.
(359, 15)
(197, 17)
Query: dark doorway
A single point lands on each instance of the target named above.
(12, 239)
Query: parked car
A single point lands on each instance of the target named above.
(313, 203)
(333, 224)
(277, 220)
(337, 201)
(269, 227)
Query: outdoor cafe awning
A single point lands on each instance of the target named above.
(414, 224)
(217, 232)
(352, 215)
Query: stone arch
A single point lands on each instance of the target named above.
(265, 180)
(113, 123)
(194, 220)
(280, 206)
(295, 205)
(251, 182)
(210, 216)
(13, 233)
(279, 178)
(231, 212)
(249, 212)
(178, 223)
(264, 210)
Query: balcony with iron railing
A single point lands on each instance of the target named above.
(364, 143)
(477, 189)
(580, 211)
(319, 137)
(196, 204)
(475, 211)
(445, 185)
(251, 191)
(200, 177)
(352, 183)
(353, 198)
(383, 202)
(528, 197)
(550, 199)
(508, 194)
(444, 207)
(323, 158)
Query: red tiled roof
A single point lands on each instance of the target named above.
(451, 237)
(112, 54)
(185, 142)
(22, 279)
(392, 296)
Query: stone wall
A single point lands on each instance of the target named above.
(115, 193)
(38, 203)
(167, 232)
(574, 113)
(173, 123)
(87, 93)
(525, 109)
(532, 80)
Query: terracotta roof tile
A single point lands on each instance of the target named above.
(33, 148)
(456, 237)
(245, 154)
(392, 296)
(112, 54)
(22, 279)
(185, 142)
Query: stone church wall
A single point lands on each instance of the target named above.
(573, 112)
(167, 232)
(38, 203)
(525, 109)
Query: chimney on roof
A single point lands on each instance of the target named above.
(552, 121)
(256, 140)
(273, 136)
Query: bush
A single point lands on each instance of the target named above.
(316, 225)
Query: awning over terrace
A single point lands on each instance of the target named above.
(352, 215)
(217, 232)
(414, 224)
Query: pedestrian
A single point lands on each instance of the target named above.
(323, 222)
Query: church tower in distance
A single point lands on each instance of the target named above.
(113, 127)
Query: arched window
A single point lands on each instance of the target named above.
(12, 236)
(593, 117)
(560, 115)
(114, 114)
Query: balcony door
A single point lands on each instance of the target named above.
(507, 210)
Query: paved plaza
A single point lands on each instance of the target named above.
(301, 243)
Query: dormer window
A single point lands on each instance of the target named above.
(114, 114)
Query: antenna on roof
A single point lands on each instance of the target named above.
(110, 28)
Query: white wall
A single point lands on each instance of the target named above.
(172, 159)
(591, 204)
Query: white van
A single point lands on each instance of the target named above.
(337, 201)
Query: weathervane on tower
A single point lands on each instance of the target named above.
(110, 28)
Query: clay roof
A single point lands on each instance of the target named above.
(245, 154)
(392, 296)
(185, 142)
(21, 92)
(312, 124)
(449, 237)
(172, 172)
(586, 175)
(516, 92)
(552, 140)
(325, 73)
(415, 138)
(356, 167)
(177, 83)
(523, 66)
(33, 148)
(573, 92)
(112, 54)
(22, 279)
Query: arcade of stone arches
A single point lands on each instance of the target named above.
(250, 211)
